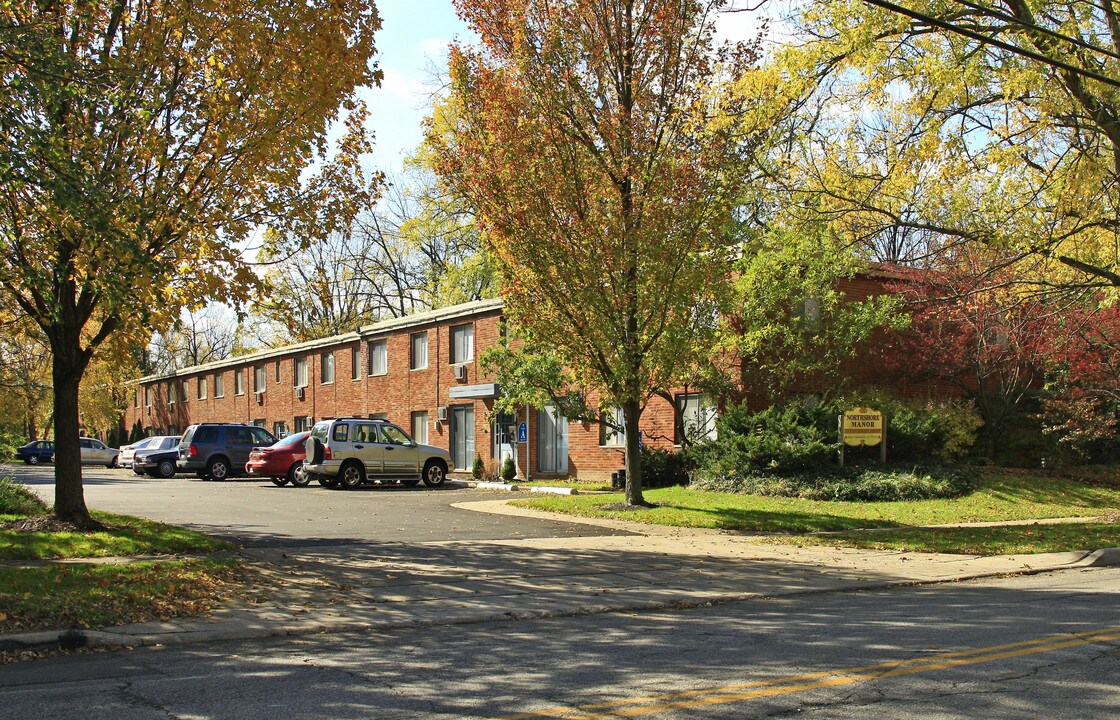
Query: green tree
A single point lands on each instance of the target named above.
(140, 142)
(600, 157)
(965, 122)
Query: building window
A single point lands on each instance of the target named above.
(462, 344)
(355, 362)
(326, 368)
(612, 429)
(259, 378)
(171, 393)
(202, 388)
(239, 381)
(148, 397)
(260, 422)
(302, 422)
(219, 385)
(136, 397)
(277, 372)
(299, 371)
(378, 357)
(807, 314)
(280, 429)
(185, 393)
(420, 427)
(697, 418)
(418, 358)
(379, 416)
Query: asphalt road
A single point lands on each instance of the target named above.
(256, 513)
(1044, 646)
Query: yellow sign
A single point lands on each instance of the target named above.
(862, 426)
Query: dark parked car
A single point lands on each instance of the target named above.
(36, 451)
(283, 462)
(215, 451)
(159, 458)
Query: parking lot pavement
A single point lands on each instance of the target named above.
(255, 513)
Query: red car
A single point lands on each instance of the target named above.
(283, 462)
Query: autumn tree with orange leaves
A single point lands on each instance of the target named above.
(597, 145)
(140, 142)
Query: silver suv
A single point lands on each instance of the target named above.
(346, 452)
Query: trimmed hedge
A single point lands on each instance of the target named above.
(17, 499)
(858, 484)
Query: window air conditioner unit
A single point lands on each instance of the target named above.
(461, 373)
(441, 413)
(260, 398)
(299, 393)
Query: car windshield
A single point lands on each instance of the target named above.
(146, 442)
(320, 431)
(168, 442)
(294, 439)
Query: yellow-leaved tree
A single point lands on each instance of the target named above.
(141, 141)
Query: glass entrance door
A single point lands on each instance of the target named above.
(552, 441)
(462, 436)
(505, 438)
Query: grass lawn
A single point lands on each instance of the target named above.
(124, 536)
(89, 596)
(1001, 496)
(36, 594)
(575, 485)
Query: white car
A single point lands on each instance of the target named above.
(95, 452)
(129, 451)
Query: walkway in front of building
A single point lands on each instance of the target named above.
(392, 585)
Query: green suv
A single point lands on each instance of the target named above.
(347, 452)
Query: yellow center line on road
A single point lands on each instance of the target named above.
(723, 694)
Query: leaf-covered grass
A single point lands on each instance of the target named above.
(89, 596)
(997, 540)
(124, 536)
(1003, 496)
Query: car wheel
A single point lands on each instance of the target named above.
(279, 481)
(218, 469)
(351, 475)
(297, 476)
(112, 463)
(410, 483)
(166, 469)
(435, 472)
(32, 460)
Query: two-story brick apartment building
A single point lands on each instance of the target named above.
(422, 373)
(419, 371)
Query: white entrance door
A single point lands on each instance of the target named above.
(552, 441)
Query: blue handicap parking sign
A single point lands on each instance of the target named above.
(523, 433)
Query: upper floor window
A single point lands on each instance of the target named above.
(299, 371)
(378, 357)
(148, 397)
(202, 388)
(326, 368)
(355, 362)
(259, 378)
(136, 397)
(219, 385)
(462, 344)
(239, 381)
(171, 393)
(418, 358)
(807, 314)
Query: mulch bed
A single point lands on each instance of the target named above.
(44, 523)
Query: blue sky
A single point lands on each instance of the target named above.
(413, 41)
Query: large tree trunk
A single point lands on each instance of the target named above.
(632, 414)
(68, 365)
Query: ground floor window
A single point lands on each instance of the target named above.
(302, 423)
(697, 418)
(420, 427)
(280, 429)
